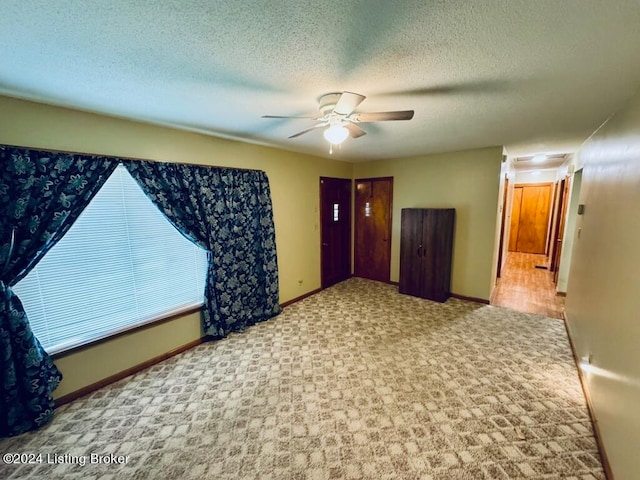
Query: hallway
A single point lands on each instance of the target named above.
(525, 288)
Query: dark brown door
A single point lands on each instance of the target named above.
(335, 221)
(373, 204)
(562, 208)
(555, 202)
(502, 224)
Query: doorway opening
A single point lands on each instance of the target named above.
(535, 231)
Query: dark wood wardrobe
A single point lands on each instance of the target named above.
(426, 248)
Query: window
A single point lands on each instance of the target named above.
(121, 265)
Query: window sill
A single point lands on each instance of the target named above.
(64, 350)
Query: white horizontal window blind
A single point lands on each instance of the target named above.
(121, 265)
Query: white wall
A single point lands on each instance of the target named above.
(569, 232)
(603, 297)
(536, 176)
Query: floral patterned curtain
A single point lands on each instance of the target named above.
(41, 195)
(226, 211)
(229, 213)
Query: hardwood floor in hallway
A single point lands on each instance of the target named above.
(525, 288)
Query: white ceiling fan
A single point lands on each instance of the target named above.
(340, 120)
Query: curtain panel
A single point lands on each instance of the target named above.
(226, 211)
(41, 195)
(229, 213)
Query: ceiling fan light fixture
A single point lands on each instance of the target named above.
(336, 134)
(339, 119)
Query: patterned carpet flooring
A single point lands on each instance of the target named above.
(356, 382)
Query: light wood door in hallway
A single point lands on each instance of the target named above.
(530, 218)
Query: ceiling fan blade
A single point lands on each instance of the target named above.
(284, 116)
(354, 130)
(383, 116)
(306, 131)
(348, 102)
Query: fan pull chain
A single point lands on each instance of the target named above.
(331, 148)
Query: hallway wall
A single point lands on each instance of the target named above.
(569, 232)
(603, 305)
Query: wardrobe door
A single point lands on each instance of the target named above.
(411, 250)
(437, 234)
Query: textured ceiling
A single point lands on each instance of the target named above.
(535, 76)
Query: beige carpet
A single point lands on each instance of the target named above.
(357, 382)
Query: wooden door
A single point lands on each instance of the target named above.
(335, 225)
(562, 209)
(530, 222)
(372, 250)
(555, 205)
(515, 219)
(502, 224)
